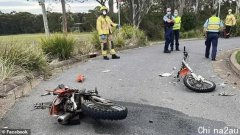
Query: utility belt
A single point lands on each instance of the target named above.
(210, 32)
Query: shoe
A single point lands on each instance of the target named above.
(105, 58)
(171, 49)
(213, 59)
(206, 57)
(114, 56)
(177, 49)
(167, 51)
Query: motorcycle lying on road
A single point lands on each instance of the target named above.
(69, 103)
(191, 80)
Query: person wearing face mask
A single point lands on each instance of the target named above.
(176, 29)
(168, 28)
(229, 22)
(104, 28)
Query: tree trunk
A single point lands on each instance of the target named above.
(64, 18)
(133, 13)
(45, 21)
(181, 6)
(110, 3)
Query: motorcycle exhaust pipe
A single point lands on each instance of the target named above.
(63, 119)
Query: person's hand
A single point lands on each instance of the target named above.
(103, 37)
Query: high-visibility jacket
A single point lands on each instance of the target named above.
(230, 20)
(177, 23)
(104, 25)
(213, 24)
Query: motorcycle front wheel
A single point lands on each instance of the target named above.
(109, 112)
(197, 86)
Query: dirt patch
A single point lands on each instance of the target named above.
(224, 71)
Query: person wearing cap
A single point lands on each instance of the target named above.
(104, 28)
(176, 29)
(212, 27)
(168, 28)
(229, 22)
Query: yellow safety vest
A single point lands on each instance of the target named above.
(213, 24)
(177, 23)
(230, 20)
(104, 25)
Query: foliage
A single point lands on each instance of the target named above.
(238, 57)
(19, 57)
(188, 21)
(128, 35)
(235, 30)
(58, 46)
(83, 48)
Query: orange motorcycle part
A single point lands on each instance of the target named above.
(80, 78)
(183, 72)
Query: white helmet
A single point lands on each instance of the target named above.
(230, 10)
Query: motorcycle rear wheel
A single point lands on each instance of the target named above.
(201, 87)
(98, 111)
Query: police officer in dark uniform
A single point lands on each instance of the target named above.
(212, 27)
(168, 28)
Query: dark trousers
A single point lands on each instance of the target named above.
(175, 37)
(168, 38)
(227, 30)
(212, 39)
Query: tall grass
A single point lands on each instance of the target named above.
(21, 58)
(58, 46)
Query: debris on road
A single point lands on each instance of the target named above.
(235, 83)
(223, 84)
(150, 121)
(165, 75)
(226, 94)
(105, 71)
(80, 78)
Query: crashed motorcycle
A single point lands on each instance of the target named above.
(69, 103)
(191, 80)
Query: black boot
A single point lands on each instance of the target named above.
(105, 58)
(114, 56)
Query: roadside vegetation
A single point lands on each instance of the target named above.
(238, 57)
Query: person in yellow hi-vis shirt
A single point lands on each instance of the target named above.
(212, 26)
(229, 22)
(176, 30)
(104, 28)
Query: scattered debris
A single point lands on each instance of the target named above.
(150, 121)
(226, 94)
(165, 74)
(5, 127)
(120, 79)
(80, 78)
(105, 71)
(223, 84)
(235, 83)
(94, 54)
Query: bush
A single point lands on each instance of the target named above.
(83, 48)
(17, 58)
(192, 34)
(188, 21)
(235, 30)
(58, 47)
(126, 36)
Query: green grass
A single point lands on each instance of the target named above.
(36, 38)
(238, 57)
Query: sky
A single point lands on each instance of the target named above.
(32, 6)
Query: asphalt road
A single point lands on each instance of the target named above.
(156, 105)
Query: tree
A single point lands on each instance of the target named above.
(102, 2)
(139, 9)
(45, 21)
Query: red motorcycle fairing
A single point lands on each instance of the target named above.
(184, 72)
(55, 109)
